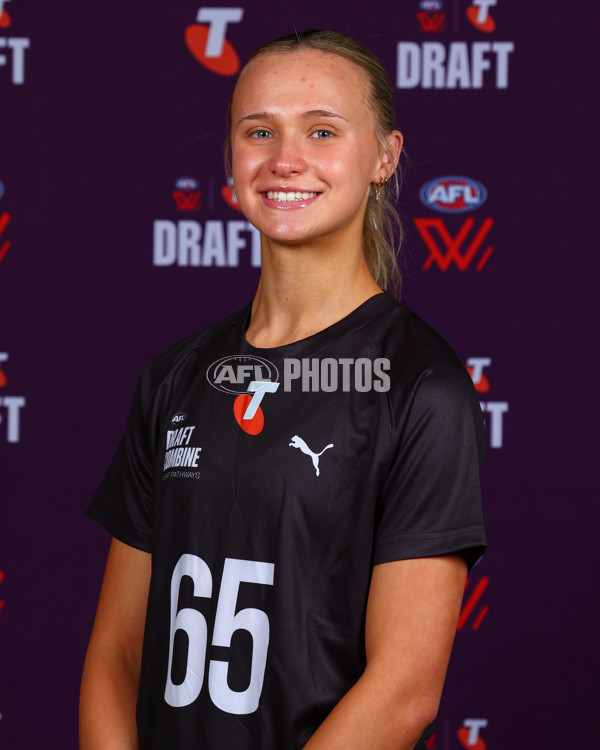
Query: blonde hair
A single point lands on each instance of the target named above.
(382, 229)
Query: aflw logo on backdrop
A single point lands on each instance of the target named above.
(207, 42)
(186, 194)
(430, 17)
(449, 195)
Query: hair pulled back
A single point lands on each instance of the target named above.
(382, 229)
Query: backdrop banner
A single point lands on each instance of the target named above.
(120, 235)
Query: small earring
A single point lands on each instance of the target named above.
(379, 187)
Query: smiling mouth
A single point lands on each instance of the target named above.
(280, 196)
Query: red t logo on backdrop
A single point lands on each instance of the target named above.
(469, 735)
(4, 17)
(208, 44)
(229, 195)
(479, 15)
(3, 358)
(475, 366)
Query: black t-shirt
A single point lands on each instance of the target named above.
(264, 529)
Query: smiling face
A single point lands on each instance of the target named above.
(304, 148)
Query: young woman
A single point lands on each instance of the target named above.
(293, 557)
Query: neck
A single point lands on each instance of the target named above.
(304, 289)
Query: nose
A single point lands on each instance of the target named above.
(287, 159)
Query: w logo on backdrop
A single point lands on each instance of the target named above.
(207, 41)
(4, 219)
(1, 600)
(445, 249)
(470, 614)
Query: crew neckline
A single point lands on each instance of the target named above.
(365, 312)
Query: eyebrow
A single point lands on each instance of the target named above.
(306, 115)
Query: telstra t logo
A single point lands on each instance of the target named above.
(469, 735)
(479, 15)
(4, 17)
(207, 43)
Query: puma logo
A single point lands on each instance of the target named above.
(297, 442)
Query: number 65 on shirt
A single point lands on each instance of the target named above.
(227, 621)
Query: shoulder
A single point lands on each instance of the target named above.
(176, 368)
(190, 349)
(428, 383)
(416, 351)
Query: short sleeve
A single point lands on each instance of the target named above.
(431, 501)
(123, 501)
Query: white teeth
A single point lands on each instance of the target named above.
(282, 197)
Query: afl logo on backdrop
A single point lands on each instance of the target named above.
(186, 183)
(453, 194)
(207, 43)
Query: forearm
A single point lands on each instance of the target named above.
(374, 715)
(111, 673)
(108, 699)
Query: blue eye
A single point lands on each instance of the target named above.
(261, 134)
(322, 134)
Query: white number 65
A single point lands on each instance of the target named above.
(227, 621)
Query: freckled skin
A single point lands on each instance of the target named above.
(292, 152)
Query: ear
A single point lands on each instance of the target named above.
(391, 153)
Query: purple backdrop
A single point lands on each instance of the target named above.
(107, 256)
